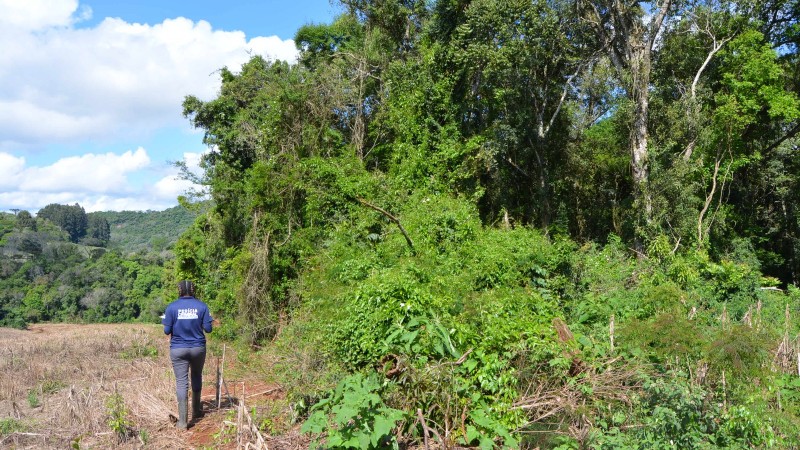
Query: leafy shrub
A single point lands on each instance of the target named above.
(390, 312)
(354, 416)
(662, 337)
(742, 351)
(33, 399)
(119, 417)
(442, 223)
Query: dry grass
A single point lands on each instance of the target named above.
(55, 381)
(559, 407)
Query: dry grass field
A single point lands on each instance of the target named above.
(87, 386)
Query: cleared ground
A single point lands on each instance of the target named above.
(102, 386)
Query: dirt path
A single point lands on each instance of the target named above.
(56, 381)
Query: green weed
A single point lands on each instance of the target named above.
(119, 417)
(11, 425)
(354, 416)
(33, 399)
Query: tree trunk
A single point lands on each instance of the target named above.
(628, 34)
(639, 94)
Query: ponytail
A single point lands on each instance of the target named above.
(186, 289)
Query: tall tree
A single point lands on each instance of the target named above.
(628, 33)
(98, 231)
(25, 220)
(71, 219)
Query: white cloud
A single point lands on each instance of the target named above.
(36, 14)
(10, 169)
(86, 173)
(172, 185)
(59, 82)
(106, 203)
(98, 182)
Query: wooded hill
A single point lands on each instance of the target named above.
(516, 223)
(66, 265)
(133, 231)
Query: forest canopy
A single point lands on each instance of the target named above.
(66, 265)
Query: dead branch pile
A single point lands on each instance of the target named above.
(557, 405)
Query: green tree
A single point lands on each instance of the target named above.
(71, 219)
(26, 221)
(98, 231)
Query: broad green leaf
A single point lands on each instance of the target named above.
(315, 423)
(383, 426)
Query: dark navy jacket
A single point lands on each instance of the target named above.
(185, 319)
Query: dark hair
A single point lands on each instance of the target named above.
(186, 288)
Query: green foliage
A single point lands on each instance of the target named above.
(678, 413)
(71, 219)
(11, 425)
(355, 416)
(486, 429)
(25, 220)
(140, 350)
(136, 231)
(33, 399)
(47, 278)
(371, 208)
(392, 315)
(119, 417)
(98, 231)
(741, 351)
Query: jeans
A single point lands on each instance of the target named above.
(182, 360)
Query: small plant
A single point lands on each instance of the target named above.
(226, 433)
(10, 425)
(144, 437)
(51, 386)
(118, 419)
(354, 416)
(33, 399)
(140, 350)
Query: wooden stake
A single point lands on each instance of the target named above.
(611, 332)
(219, 386)
(221, 380)
(724, 393)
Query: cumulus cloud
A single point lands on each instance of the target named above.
(98, 182)
(33, 15)
(61, 82)
(86, 173)
(11, 168)
(173, 185)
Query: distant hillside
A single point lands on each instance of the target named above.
(152, 230)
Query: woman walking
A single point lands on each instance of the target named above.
(184, 321)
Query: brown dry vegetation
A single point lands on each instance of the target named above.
(56, 379)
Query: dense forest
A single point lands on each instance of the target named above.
(135, 231)
(506, 223)
(67, 265)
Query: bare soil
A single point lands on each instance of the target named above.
(56, 381)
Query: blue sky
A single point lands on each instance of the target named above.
(91, 91)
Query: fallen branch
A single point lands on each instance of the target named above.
(392, 218)
(268, 391)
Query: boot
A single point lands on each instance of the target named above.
(197, 406)
(183, 405)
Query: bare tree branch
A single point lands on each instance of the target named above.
(392, 218)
